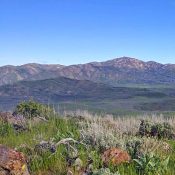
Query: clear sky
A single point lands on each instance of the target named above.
(80, 31)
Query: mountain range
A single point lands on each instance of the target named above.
(112, 72)
(122, 84)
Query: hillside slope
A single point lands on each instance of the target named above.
(11, 74)
(78, 93)
(122, 71)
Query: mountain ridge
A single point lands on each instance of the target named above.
(112, 72)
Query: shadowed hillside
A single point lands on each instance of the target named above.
(87, 94)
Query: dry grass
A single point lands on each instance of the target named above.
(108, 131)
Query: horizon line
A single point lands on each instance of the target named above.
(124, 57)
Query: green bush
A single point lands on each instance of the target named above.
(145, 128)
(151, 164)
(159, 130)
(30, 109)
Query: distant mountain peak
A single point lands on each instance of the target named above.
(125, 58)
(126, 62)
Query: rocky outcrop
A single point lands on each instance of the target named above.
(115, 156)
(12, 162)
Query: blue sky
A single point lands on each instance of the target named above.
(79, 31)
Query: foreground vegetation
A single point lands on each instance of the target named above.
(74, 143)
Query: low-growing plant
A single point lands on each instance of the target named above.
(5, 129)
(105, 171)
(150, 163)
(100, 135)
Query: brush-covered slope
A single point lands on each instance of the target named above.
(94, 95)
(65, 88)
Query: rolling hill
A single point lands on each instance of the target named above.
(85, 94)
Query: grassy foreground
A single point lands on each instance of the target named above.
(94, 135)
